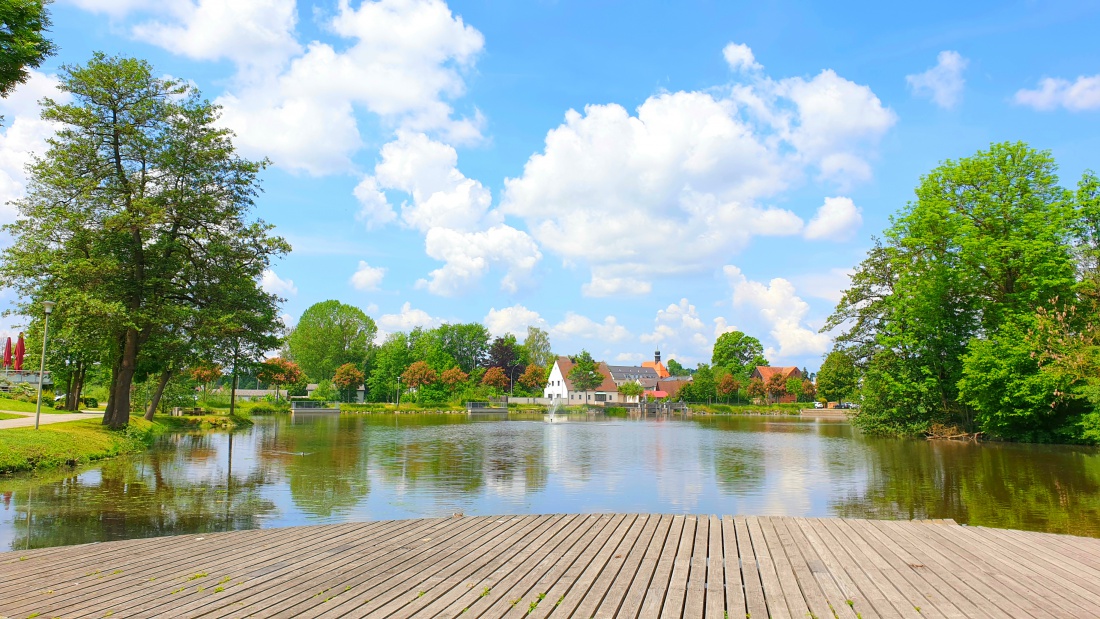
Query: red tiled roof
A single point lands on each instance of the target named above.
(764, 372)
(608, 385)
(662, 371)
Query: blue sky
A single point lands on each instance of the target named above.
(627, 175)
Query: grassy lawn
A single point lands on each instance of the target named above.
(75, 443)
(4, 416)
(72, 443)
(19, 406)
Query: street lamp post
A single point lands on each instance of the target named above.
(48, 305)
(399, 392)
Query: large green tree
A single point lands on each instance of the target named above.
(738, 353)
(137, 217)
(328, 335)
(537, 345)
(938, 316)
(585, 373)
(23, 44)
(838, 378)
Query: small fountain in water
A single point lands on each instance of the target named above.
(555, 404)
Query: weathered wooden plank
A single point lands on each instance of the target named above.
(515, 564)
(734, 586)
(876, 569)
(1027, 578)
(566, 603)
(558, 578)
(600, 565)
(373, 584)
(865, 597)
(960, 592)
(907, 594)
(926, 581)
(673, 606)
(774, 594)
(662, 575)
(437, 563)
(637, 588)
(597, 593)
(569, 570)
(715, 572)
(812, 591)
(756, 604)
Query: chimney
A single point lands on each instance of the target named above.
(657, 356)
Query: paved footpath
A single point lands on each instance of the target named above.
(555, 566)
(46, 418)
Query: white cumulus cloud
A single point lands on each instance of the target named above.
(837, 219)
(581, 327)
(943, 83)
(467, 256)
(273, 284)
(405, 63)
(24, 135)
(246, 32)
(514, 320)
(367, 277)
(740, 57)
(783, 311)
(681, 185)
(1082, 94)
(406, 320)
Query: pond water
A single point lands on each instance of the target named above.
(322, 469)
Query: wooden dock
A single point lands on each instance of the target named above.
(602, 565)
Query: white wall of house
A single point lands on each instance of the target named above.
(555, 385)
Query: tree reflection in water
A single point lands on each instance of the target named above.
(301, 469)
(181, 486)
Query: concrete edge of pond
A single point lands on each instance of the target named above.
(583, 565)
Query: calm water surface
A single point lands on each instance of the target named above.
(322, 469)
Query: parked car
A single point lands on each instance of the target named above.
(819, 405)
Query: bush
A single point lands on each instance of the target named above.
(91, 403)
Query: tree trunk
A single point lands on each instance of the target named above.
(76, 387)
(233, 394)
(164, 377)
(117, 415)
(69, 390)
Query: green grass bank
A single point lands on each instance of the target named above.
(76, 443)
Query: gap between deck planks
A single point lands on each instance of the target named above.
(556, 566)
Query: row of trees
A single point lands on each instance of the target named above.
(137, 222)
(335, 342)
(978, 308)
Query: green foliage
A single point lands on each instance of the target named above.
(838, 378)
(675, 369)
(938, 315)
(631, 389)
(325, 392)
(537, 347)
(136, 221)
(71, 443)
(23, 46)
(328, 335)
(585, 373)
(738, 353)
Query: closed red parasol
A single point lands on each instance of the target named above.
(20, 348)
(7, 353)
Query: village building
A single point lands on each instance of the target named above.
(652, 375)
(657, 366)
(765, 372)
(559, 387)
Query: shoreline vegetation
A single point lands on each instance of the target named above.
(974, 313)
(77, 443)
